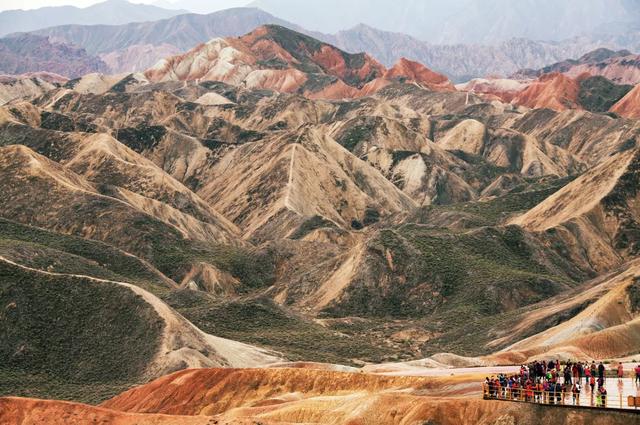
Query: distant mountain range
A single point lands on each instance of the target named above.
(110, 12)
(619, 66)
(136, 46)
(463, 21)
(183, 31)
(201, 6)
(487, 22)
(462, 62)
(25, 53)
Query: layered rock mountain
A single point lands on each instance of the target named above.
(553, 91)
(274, 57)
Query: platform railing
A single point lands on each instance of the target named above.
(566, 397)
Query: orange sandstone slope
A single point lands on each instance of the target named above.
(629, 106)
(23, 411)
(277, 58)
(305, 396)
(554, 91)
(380, 408)
(405, 69)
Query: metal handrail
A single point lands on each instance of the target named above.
(564, 398)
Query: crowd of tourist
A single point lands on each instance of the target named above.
(554, 383)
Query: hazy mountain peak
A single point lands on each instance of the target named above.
(110, 12)
(461, 21)
(601, 54)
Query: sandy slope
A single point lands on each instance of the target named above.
(352, 409)
(609, 327)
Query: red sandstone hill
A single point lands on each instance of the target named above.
(406, 69)
(274, 57)
(557, 91)
(629, 106)
(554, 91)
